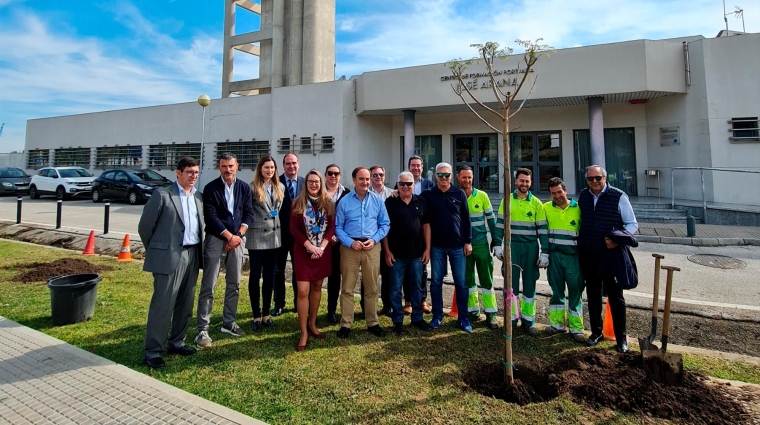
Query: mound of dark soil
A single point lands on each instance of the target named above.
(41, 272)
(603, 379)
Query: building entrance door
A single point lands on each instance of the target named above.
(481, 153)
(540, 152)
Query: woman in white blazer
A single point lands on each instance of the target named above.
(263, 239)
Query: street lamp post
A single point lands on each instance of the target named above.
(204, 101)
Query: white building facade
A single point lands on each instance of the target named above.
(689, 102)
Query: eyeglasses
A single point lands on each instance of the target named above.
(407, 184)
(444, 175)
(313, 182)
(378, 175)
(192, 173)
(594, 178)
(333, 173)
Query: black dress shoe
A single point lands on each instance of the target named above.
(594, 339)
(332, 318)
(182, 351)
(268, 324)
(277, 311)
(344, 332)
(376, 331)
(154, 363)
(421, 325)
(622, 347)
(398, 329)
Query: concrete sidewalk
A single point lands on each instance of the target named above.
(706, 234)
(46, 381)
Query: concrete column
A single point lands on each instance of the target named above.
(228, 52)
(408, 134)
(295, 44)
(596, 130)
(318, 41)
(278, 43)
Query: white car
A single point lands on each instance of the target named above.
(63, 182)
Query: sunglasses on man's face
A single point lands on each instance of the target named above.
(594, 178)
(444, 175)
(333, 173)
(407, 184)
(378, 175)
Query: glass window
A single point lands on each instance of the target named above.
(74, 172)
(107, 175)
(522, 148)
(12, 172)
(619, 156)
(146, 175)
(121, 177)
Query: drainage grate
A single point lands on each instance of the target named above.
(717, 261)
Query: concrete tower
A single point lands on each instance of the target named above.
(295, 44)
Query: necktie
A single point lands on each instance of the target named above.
(291, 189)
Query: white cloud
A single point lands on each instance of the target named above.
(433, 31)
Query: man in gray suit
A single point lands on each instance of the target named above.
(227, 212)
(171, 227)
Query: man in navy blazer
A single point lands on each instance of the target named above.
(293, 187)
(228, 212)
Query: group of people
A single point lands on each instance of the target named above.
(365, 236)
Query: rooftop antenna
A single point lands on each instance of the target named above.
(739, 13)
(724, 17)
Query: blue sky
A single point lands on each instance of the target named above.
(77, 56)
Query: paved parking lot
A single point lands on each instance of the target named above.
(82, 214)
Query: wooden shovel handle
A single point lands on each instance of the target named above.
(656, 290)
(666, 313)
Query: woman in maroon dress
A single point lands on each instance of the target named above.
(312, 224)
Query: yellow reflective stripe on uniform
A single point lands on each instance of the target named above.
(473, 290)
(475, 215)
(524, 232)
(567, 242)
(574, 313)
(541, 223)
(485, 291)
(477, 223)
(528, 300)
(557, 307)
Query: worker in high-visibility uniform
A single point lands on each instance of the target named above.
(528, 225)
(482, 220)
(564, 222)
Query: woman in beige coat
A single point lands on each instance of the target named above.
(263, 238)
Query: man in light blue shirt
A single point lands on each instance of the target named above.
(361, 222)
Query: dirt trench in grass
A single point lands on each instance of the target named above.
(603, 379)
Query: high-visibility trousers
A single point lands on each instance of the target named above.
(480, 260)
(525, 255)
(565, 272)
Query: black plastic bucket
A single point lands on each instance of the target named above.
(72, 298)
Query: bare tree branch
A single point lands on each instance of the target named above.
(526, 98)
(478, 115)
(476, 100)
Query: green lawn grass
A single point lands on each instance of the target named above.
(413, 379)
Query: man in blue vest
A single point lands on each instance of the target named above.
(603, 208)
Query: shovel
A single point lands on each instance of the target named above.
(662, 366)
(646, 343)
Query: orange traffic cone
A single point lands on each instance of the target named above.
(125, 254)
(454, 310)
(609, 330)
(89, 249)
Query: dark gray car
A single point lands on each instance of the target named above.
(13, 181)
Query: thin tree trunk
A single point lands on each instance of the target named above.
(507, 249)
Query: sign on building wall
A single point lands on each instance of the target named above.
(670, 136)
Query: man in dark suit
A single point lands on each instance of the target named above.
(228, 213)
(293, 186)
(171, 229)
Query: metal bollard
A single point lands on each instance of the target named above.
(106, 218)
(59, 209)
(691, 226)
(18, 210)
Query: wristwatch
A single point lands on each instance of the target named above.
(238, 234)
